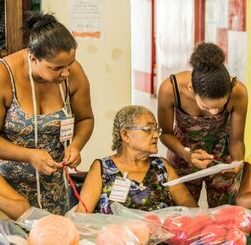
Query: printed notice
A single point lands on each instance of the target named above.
(86, 18)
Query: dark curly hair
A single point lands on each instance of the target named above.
(210, 78)
(46, 36)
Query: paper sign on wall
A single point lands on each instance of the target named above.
(86, 18)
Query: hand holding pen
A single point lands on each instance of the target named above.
(199, 158)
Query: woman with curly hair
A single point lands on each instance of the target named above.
(202, 113)
(132, 175)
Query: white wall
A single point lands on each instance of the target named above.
(108, 67)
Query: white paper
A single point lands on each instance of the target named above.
(203, 173)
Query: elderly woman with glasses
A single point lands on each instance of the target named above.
(132, 176)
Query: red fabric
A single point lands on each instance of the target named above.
(186, 228)
(154, 221)
(236, 237)
(233, 216)
(213, 234)
(197, 223)
(176, 226)
(225, 225)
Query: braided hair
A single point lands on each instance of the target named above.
(210, 78)
(46, 36)
(125, 118)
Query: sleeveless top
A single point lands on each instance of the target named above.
(18, 128)
(210, 133)
(149, 195)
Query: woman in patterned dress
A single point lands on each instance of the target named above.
(135, 136)
(43, 87)
(202, 113)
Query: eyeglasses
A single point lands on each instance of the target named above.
(147, 129)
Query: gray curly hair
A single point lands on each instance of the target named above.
(125, 117)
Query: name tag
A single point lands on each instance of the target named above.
(120, 190)
(66, 129)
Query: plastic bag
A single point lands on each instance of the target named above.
(216, 226)
(30, 216)
(113, 229)
(154, 221)
(220, 235)
(204, 172)
(54, 229)
(88, 225)
(156, 218)
(11, 234)
(123, 234)
(44, 226)
(224, 225)
(232, 216)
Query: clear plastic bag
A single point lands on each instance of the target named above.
(30, 216)
(44, 226)
(114, 229)
(54, 229)
(219, 235)
(224, 225)
(219, 226)
(10, 234)
(232, 217)
(103, 229)
(124, 234)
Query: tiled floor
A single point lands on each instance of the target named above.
(145, 99)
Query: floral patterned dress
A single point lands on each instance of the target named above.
(18, 128)
(148, 195)
(210, 133)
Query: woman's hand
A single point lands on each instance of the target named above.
(200, 158)
(234, 170)
(43, 162)
(72, 157)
